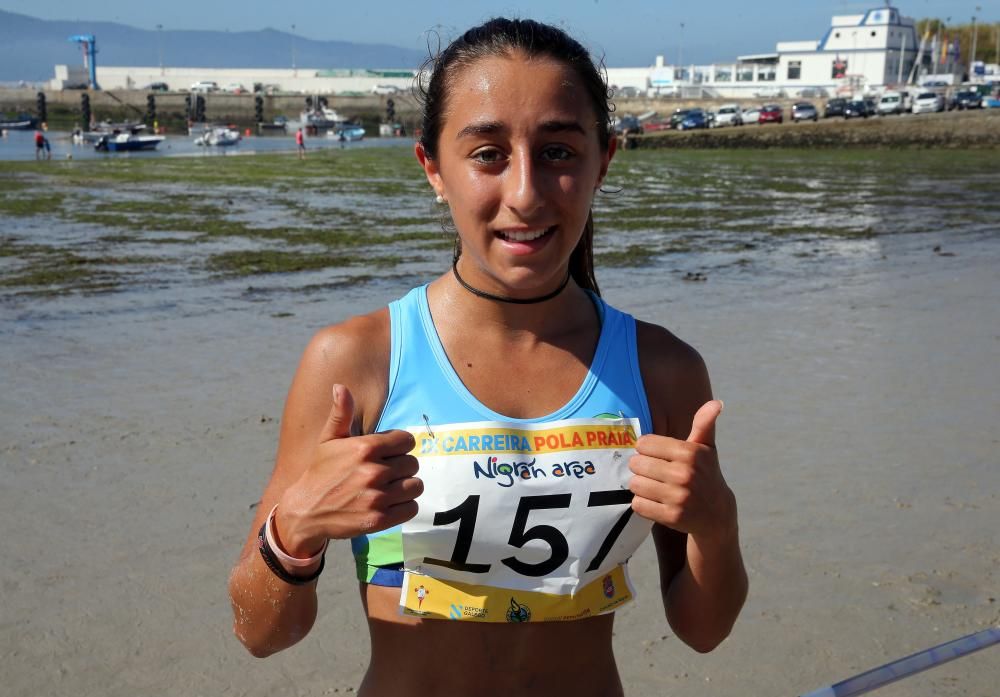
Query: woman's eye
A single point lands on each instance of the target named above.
(556, 153)
(487, 156)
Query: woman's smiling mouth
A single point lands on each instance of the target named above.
(524, 235)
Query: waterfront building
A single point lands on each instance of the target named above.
(858, 53)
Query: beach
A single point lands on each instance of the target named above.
(859, 435)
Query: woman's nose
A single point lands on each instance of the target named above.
(524, 190)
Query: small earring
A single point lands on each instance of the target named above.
(439, 199)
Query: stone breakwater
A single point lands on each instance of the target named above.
(958, 130)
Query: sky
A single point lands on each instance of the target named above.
(625, 32)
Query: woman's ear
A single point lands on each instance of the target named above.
(430, 166)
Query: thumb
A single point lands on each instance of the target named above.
(338, 423)
(703, 423)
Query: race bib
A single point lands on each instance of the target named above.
(522, 522)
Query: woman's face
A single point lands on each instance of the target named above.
(518, 161)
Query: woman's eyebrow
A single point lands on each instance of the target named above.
(559, 126)
(489, 127)
(481, 128)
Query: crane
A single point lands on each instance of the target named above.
(89, 44)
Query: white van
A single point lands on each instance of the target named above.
(891, 103)
(205, 86)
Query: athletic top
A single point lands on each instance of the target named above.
(422, 382)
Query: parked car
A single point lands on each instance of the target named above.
(728, 115)
(751, 115)
(385, 89)
(157, 87)
(695, 118)
(890, 103)
(804, 111)
(835, 107)
(771, 113)
(629, 123)
(856, 109)
(655, 125)
(205, 86)
(928, 102)
(966, 99)
(677, 117)
(235, 88)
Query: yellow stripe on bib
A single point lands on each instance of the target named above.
(423, 596)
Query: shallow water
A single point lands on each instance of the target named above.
(202, 235)
(20, 146)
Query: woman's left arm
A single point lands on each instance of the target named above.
(678, 484)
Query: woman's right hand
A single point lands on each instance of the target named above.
(354, 484)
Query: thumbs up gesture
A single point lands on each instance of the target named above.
(678, 483)
(353, 485)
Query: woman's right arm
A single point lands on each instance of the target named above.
(326, 483)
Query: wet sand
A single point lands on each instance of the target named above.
(859, 436)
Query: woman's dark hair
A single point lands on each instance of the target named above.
(503, 37)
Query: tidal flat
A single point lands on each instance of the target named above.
(149, 226)
(152, 314)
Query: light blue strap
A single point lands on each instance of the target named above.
(905, 667)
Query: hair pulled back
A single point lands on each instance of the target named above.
(502, 37)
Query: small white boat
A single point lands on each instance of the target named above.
(321, 118)
(108, 129)
(220, 137)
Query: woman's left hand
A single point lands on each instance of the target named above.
(678, 483)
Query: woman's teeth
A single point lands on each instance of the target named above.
(524, 236)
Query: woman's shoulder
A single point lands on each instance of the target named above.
(354, 353)
(675, 377)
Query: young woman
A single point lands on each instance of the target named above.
(516, 142)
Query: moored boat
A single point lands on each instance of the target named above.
(101, 130)
(220, 137)
(21, 122)
(127, 142)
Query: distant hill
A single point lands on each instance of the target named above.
(29, 47)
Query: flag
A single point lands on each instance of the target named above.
(956, 51)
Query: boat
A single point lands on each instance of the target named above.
(127, 142)
(347, 132)
(280, 123)
(220, 137)
(106, 128)
(21, 122)
(321, 118)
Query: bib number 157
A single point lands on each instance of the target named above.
(466, 512)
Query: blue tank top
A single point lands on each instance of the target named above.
(423, 382)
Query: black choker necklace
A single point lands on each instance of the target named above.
(501, 298)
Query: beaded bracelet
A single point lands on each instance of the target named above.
(271, 559)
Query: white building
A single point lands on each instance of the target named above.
(858, 53)
(305, 80)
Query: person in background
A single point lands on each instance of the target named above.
(516, 142)
(300, 143)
